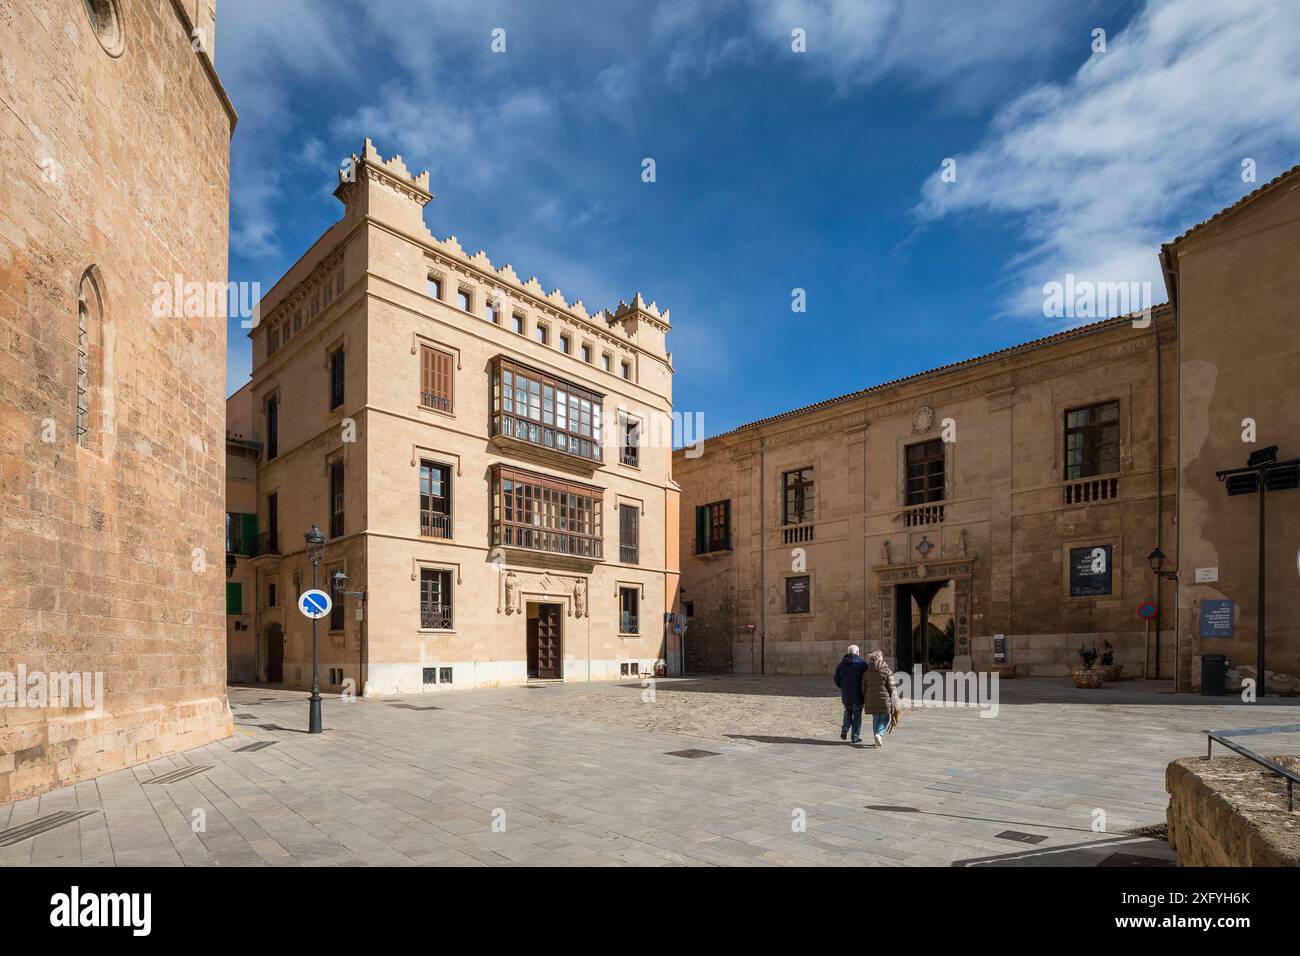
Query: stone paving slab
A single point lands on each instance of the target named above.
(581, 776)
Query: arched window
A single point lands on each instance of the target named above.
(90, 340)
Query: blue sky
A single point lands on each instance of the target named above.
(776, 169)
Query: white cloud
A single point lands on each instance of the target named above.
(1141, 143)
(969, 52)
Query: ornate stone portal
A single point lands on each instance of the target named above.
(888, 578)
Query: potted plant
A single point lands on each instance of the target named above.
(1087, 675)
(1110, 671)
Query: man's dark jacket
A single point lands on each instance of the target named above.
(848, 678)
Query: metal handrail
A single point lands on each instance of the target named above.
(1291, 776)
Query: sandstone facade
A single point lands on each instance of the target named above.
(1198, 391)
(115, 139)
(992, 547)
(384, 368)
(1234, 282)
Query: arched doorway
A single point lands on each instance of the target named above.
(274, 654)
(924, 610)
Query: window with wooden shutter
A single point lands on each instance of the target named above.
(435, 379)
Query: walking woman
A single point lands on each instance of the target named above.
(878, 694)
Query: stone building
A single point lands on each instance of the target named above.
(1234, 282)
(485, 458)
(115, 139)
(242, 453)
(1090, 449)
(1016, 494)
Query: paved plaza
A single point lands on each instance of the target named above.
(588, 774)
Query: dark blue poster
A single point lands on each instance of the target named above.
(1217, 617)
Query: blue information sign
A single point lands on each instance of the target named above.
(1217, 617)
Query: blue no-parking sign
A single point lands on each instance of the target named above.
(315, 604)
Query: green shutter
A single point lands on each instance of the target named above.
(701, 528)
(250, 533)
(234, 597)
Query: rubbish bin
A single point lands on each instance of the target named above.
(1214, 672)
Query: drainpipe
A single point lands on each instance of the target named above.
(762, 556)
(1171, 289)
(1155, 327)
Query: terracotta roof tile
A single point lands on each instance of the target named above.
(1248, 198)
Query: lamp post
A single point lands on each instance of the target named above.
(340, 583)
(315, 545)
(1263, 472)
(1157, 561)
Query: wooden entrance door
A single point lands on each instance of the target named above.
(274, 655)
(544, 652)
(903, 651)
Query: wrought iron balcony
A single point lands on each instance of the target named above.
(435, 616)
(435, 524)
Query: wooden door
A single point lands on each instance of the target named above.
(275, 655)
(548, 642)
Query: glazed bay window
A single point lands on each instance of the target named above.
(537, 408)
(539, 513)
(1092, 441)
(799, 495)
(435, 500)
(925, 472)
(435, 599)
(628, 608)
(435, 379)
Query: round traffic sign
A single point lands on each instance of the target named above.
(315, 604)
(1147, 610)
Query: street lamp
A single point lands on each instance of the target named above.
(1157, 561)
(1263, 472)
(315, 545)
(340, 584)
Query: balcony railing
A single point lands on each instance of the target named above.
(547, 436)
(627, 624)
(796, 533)
(1090, 490)
(554, 542)
(267, 543)
(435, 524)
(439, 403)
(435, 616)
(921, 515)
(629, 553)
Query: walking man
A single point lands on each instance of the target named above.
(848, 678)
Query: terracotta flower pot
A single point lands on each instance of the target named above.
(1110, 672)
(1089, 677)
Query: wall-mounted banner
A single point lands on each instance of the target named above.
(1217, 617)
(1090, 571)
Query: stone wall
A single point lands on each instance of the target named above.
(115, 145)
(1004, 535)
(1229, 811)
